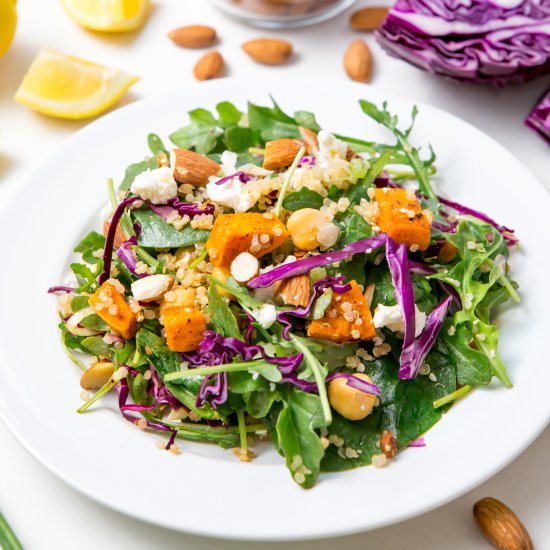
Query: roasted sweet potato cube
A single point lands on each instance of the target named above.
(244, 232)
(402, 218)
(184, 328)
(346, 319)
(110, 305)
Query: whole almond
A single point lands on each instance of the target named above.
(501, 526)
(368, 19)
(210, 65)
(295, 291)
(190, 167)
(279, 153)
(193, 36)
(269, 51)
(358, 61)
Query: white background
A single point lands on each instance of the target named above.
(47, 514)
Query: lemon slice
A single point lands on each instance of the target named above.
(8, 21)
(108, 15)
(69, 87)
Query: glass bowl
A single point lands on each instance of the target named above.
(281, 14)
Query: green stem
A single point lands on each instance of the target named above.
(499, 370)
(290, 173)
(503, 280)
(97, 396)
(112, 193)
(8, 539)
(146, 257)
(204, 371)
(316, 367)
(256, 151)
(198, 259)
(124, 223)
(70, 354)
(451, 396)
(242, 429)
(376, 167)
(203, 428)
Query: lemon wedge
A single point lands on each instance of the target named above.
(108, 15)
(8, 21)
(69, 87)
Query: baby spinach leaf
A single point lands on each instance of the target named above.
(332, 355)
(302, 414)
(240, 139)
(96, 346)
(203, 138)
(94, 322)
(134, 170)
(79, 302)
(307, 119)
(228, 113)
(304, 198)
(157, 233)
(353, 227)
(222, 319)
(272, 123)
(202, 116)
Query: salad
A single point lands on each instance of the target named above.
(267, 279)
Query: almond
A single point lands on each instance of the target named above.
(295, 291)
(269, 51)
(501, 526)
(152, 288)
(279, 153)
(244, 267)
(388, 444)
(368, 19)
(210, 65)
(119, 235)
(358, 61)
(193, 36)
(190, 167)
(310, 139)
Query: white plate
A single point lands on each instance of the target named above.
(205, 490)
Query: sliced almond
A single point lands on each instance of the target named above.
(295, 291)
(190, 167)
(368, 19)
(193, 36)
(358, 61)
(97, 375)
(119, 235)
(388, 444)
(501, 526)
(269, 51)
(152, 288)
(280, 153)
(244, 267)
(210, 65)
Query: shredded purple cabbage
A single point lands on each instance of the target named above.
(190, 209)
(413, 355)
(126, 254)
(307, 160)
(123, 392)
(539, 117)
(243, 178)
(354, 382)
(418, 442)
(60, 288)
(216, 349)
(110, 238)
(335, 283)
(473, 40)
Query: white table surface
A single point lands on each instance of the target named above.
(46, 513)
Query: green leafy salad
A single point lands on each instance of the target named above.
(267, 279)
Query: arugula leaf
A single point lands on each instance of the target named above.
(202, 116)
(272, 123)
(134, 170)
(157, 233)
(303, 198)
(222, 319)
(96, 346)
(94, 322)
(85, 277)
(239, 139)
(200, 136)
(307, 120)
(156, 145)
(302, 414)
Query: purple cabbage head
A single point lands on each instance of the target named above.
(539, 117)
(481, 41)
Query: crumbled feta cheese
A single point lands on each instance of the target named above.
(330, 148)
(228, 160)
(156, 185)
(392, 318)
(233, 193)
(267, 315)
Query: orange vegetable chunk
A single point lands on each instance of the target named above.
(244, 232)
(110, 305)
(184, 328)
(402, 218)
(336, 327)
